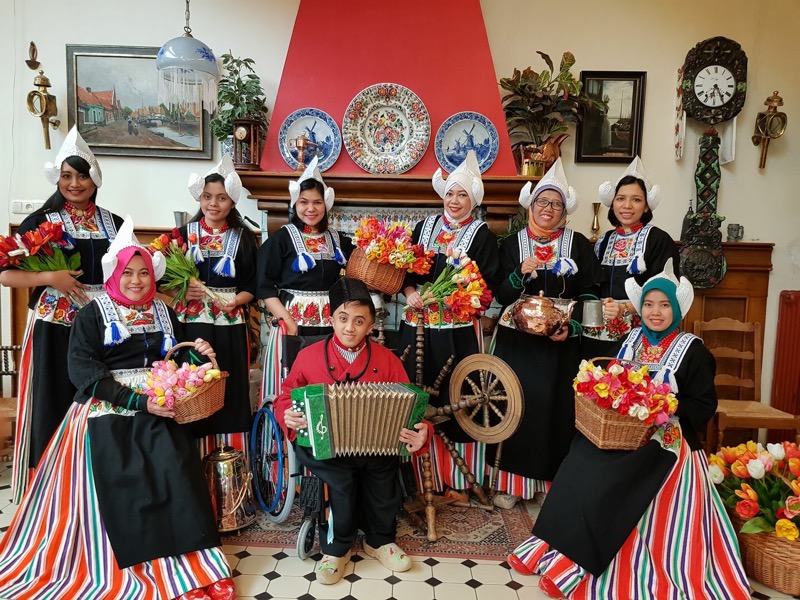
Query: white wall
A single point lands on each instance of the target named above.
(630, 35)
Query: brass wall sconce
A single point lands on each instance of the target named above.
(770, 125)
(41, 103)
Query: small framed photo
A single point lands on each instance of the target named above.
(613, 135)
(112, 95)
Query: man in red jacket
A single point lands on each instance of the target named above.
(363, 491)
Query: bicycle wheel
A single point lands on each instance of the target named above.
(273, 466)
(306, 537)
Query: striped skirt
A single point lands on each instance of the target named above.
(683, 547)
(57, 547)
(445, 471)
(21, 473)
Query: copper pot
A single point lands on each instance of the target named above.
(540, 315)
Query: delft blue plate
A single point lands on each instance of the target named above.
(463, 132)
(318, 127)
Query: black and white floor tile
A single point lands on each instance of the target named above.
(278, 574)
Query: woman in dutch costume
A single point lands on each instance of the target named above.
(302, 260)
(646, 523)
(225, 253)
(446, 336)
(634, 248)
(550, 258)
(118, 507)
(45, 394)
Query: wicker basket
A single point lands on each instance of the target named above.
(768, 559)
(381, 277)
(606, 428)
(205, 400)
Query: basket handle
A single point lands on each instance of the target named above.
(172, 350)
(622, 360)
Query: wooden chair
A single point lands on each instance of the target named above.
(738, 349)
(8, 405)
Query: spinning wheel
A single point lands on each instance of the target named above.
(486, 398)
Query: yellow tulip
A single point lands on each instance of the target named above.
(784, 528)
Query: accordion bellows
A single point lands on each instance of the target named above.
(357, 418)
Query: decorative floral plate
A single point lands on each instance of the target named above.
(463, 132)
(320, 128)
(386, 129)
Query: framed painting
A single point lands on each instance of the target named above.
(613, 135)
(112, 96)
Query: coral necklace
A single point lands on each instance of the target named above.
(211, 230)
(652, 353)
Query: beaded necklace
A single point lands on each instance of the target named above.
(83, 218)
(651, 353)
(211, 230)
(628, 230)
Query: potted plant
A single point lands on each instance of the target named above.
(239, 96)
(539, 108)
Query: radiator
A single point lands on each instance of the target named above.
(786, 374)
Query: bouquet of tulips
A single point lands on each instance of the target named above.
(167, 382)
(460, 287)
(181, 269)
(627, 389)
(760, 485)
(391, 244)
(41, 249)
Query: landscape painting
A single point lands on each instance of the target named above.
(113, 99)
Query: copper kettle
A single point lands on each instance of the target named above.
(540, 315)
(228, 478)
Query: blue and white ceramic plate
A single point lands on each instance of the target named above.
(463, 132)
(319, 128)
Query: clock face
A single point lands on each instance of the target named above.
(240, 133)
(714, 85)
(714, 80)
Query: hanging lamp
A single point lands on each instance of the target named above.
(187, 71)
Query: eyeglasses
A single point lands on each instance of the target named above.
(544, 203)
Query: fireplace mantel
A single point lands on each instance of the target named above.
(271, 191)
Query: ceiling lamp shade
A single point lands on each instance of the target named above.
(188, 71)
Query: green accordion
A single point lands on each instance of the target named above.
(348, 419)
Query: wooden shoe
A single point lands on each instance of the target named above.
(506, 501)
(549, 587)
(330, 569)
(391, 556)
(224, 589)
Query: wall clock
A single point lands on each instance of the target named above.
(714, 89)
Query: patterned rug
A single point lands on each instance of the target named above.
(463, 533)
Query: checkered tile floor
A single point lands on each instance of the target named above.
(277, 573)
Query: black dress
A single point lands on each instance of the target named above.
(303, 293)
(445, 337)
(227, 333)
(617, 251)
(545, 368)
(46, 393)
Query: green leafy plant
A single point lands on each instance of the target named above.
(541, 105)
(239, 96)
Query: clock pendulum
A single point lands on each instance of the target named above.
(714, 89)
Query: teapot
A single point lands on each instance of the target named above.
(228, 478)
(540, 315)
